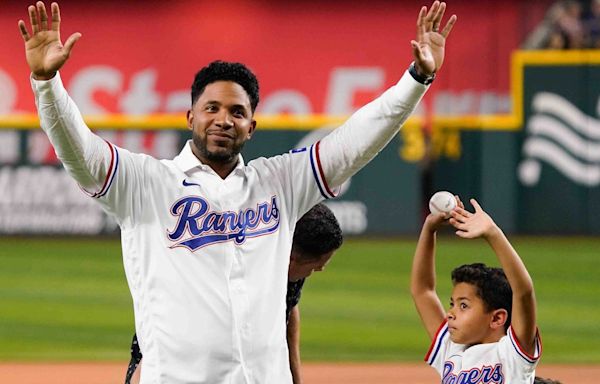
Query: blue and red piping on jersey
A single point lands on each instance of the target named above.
(315, 162)
(112, 171)
(527, 357)
(436, 344)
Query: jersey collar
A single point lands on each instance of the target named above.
(186, 160)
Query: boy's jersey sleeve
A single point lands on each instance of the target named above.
(520, 363)
(440, 348)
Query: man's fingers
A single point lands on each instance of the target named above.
(55, 17)
(71, 42)
(431, 15)
(24, 32)
(432, 11)
(41, 8)
(449, 25)
(33, 19)
(421, 23)
(438, 17)
(416, 49)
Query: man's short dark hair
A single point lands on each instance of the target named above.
(491, 283)
(317, 232)
(226, 71)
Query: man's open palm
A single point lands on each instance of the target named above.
(428, 48)
(44, 51)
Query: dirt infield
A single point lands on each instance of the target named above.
(314, 373)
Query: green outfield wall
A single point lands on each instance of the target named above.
(559, 164)
(541, 172)
(37, 196)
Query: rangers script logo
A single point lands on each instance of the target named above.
(485, 375)
(206, 227)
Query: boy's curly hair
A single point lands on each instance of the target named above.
(491, 283)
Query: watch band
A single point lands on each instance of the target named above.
(420, 78)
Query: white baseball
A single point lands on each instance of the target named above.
(442, 202)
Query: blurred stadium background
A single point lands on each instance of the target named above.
(517, 129)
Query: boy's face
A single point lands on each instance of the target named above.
(468, 320)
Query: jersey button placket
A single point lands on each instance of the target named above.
(239, 299)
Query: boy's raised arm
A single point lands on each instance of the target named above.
(422, 279)
(480, 224)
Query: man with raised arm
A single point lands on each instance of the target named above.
(205, 236)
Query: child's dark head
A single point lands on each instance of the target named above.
(316, 238)
(491, 284)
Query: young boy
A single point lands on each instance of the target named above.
(489, 333)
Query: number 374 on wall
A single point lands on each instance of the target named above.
(417, 144)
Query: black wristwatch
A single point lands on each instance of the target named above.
(420, 78)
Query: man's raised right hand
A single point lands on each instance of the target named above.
(44, 51)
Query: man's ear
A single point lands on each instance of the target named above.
(499, 318)
(252, 129)
(190, 120)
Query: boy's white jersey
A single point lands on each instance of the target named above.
(502, 362)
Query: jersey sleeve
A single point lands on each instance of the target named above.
(85, 156)
(308, 183)
(125, 187)
(299, 174)
(520, 362)
(102, 170)
(351, 146)
(441, 347)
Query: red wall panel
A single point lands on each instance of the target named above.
(149, 51)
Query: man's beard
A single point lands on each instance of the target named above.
(219, 157)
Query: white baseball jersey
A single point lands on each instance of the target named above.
(206, 258)
(502, 362)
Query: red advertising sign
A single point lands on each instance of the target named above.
(139, 57)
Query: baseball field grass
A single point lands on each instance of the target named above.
(67, 299)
